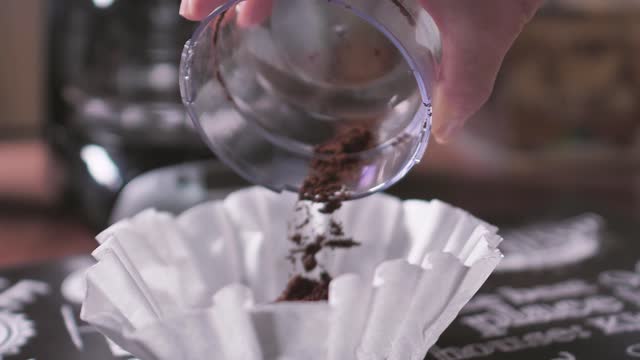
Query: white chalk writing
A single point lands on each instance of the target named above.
(628, 294)
(614, 278)
(565, 355)
(22, 293)
(617, 323)
(634, 350)
(500, 317)
(512, 343)
(565, 289)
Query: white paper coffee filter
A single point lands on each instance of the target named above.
(201, 285)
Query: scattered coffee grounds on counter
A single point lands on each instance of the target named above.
(301, 288)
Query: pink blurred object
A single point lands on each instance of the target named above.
(28, 172)
(29, 175)
(30, 239)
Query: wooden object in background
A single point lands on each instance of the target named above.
(572, 79)
(21, 66)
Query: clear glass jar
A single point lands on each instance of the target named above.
(264, 96)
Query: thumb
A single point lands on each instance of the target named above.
(476, 36)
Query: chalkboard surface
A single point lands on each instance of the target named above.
(587, 310)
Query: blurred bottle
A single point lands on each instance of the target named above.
(114, 95)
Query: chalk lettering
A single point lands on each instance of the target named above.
(617, 323)
(628, 294)
(634, 350)
(615, 278)
(565, 289)
(500, 317)
(565, 355)
(21, 294)
(511, 344)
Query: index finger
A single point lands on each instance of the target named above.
(197, 10)
(249, 12)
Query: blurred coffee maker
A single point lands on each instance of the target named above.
(114, 98)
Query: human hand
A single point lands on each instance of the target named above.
(476, 35)
(248, 12)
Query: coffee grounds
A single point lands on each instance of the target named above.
(297, 239)
(301, 288)
(344, 244)
(332, 168)
(309, 251)
(335, 229)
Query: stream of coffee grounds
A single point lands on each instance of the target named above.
(333, 166)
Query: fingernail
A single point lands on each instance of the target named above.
(184, 7)
(446, 123)
(447, 132)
